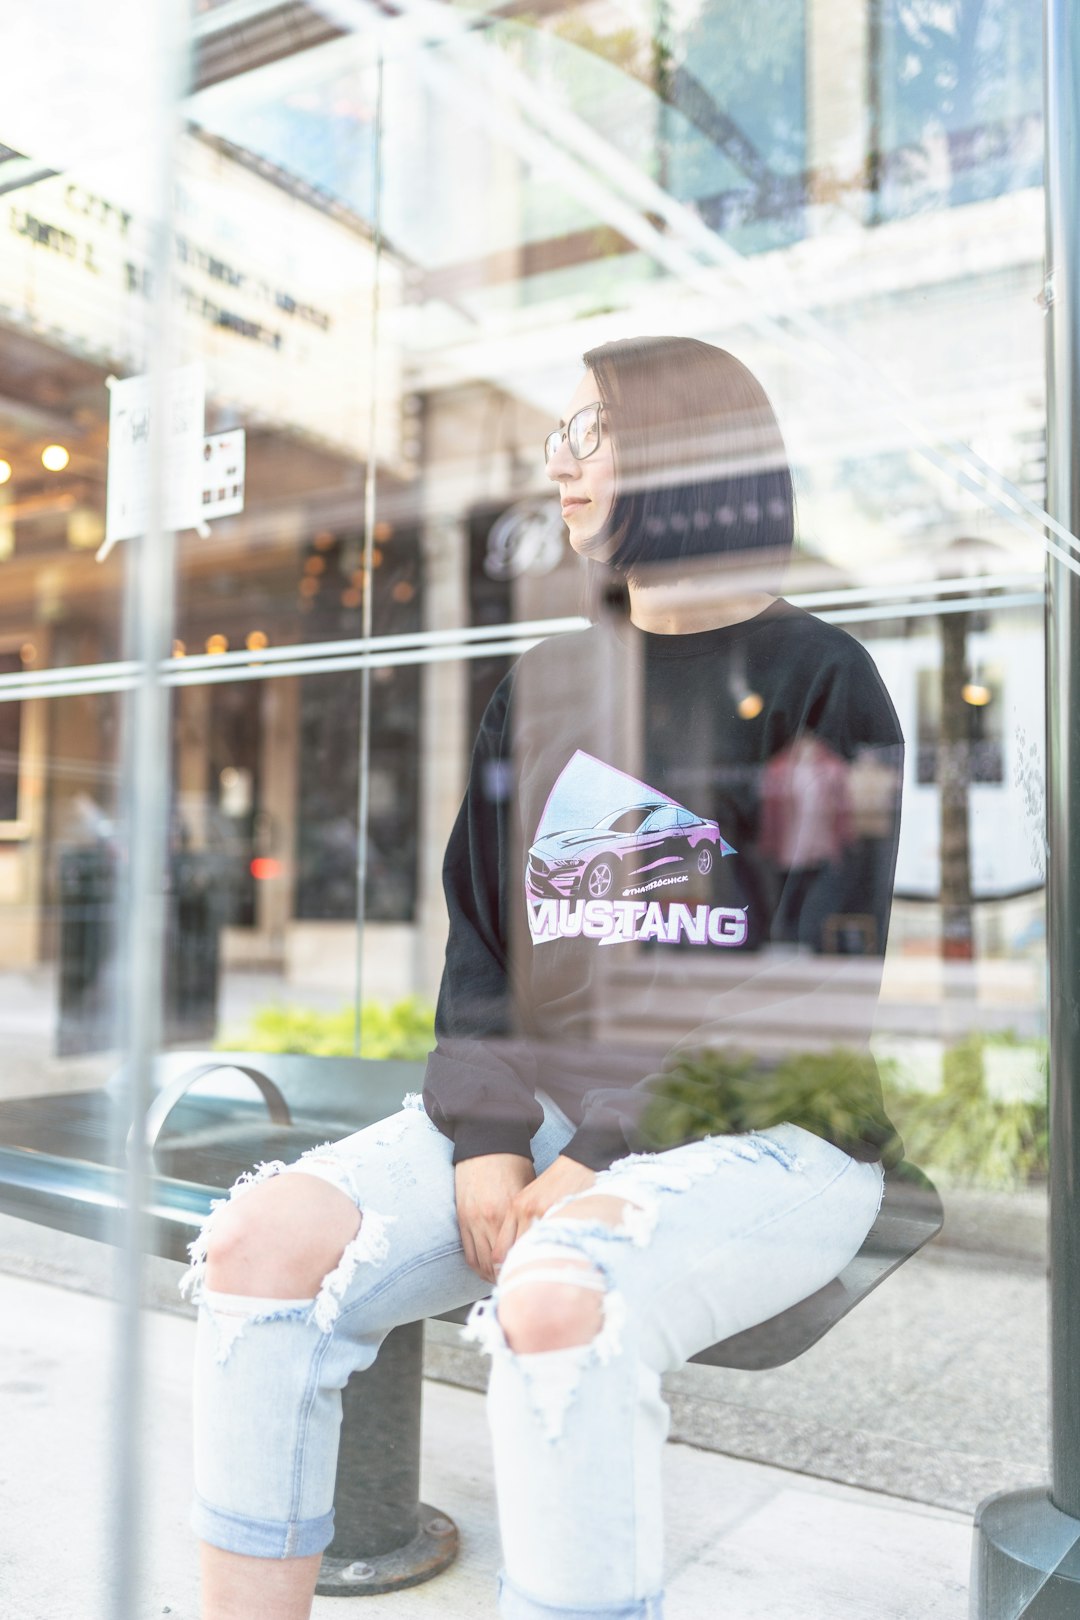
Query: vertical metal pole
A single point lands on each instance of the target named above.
(364, 762)
(148, 608)
(1026, 1557)
(1063, 740)
(385, 1538)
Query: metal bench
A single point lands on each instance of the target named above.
(60, 1167)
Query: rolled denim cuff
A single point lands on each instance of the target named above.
(261, 1538)
(517, 1605)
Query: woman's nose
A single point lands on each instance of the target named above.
(562, 465)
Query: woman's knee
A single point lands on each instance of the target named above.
(281, 1238)
(557, 1304)
(549, 1314)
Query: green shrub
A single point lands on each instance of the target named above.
(403, 1030)
(962, 1135)
(699, 1094)
(836, 1094)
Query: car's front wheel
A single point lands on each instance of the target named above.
(599, 878)
(704, 860)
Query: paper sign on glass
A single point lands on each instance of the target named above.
(133, 440)
(223, 474)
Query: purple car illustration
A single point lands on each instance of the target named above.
(623, 849)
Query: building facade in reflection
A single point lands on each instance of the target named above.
(843, 169)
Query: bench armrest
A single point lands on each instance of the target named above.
(167, 1099)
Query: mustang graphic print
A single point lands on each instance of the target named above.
(625, 847)
(591, 874)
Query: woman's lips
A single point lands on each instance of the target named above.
(568, 505)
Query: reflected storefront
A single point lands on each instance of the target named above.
(390, 236)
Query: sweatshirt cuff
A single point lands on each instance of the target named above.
(475, 1138)
(596, 1146)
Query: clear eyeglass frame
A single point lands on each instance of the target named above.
(582, 434)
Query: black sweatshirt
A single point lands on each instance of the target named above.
(667, 843)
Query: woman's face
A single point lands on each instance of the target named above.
(586, 488)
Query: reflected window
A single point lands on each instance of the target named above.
(329, 745)
(10, 737)
(235, 750)
(981, 710)
(735, 142)
(491, 601)
(957, 93)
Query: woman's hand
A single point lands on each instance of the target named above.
(485, 1188)
(559, 1180)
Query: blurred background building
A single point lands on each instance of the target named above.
(847, 195)
(369, 241)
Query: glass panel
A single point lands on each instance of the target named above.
(86, 174)
(704, 834)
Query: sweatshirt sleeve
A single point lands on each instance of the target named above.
(479, 1086)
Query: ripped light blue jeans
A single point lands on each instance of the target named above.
(716, 1236)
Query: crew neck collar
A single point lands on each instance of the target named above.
(696, 643)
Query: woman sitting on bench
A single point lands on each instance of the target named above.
(661, 827)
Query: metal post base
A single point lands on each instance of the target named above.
(430, 1551)
(1025, 1560)
(385, 1538)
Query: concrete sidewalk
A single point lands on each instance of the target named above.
(746, 1541)
(934, 1388)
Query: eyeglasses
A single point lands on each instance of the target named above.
(582, 434)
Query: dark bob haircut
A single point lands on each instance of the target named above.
(700, 464)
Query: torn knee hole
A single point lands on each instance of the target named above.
(261, 1262)
(609, 1215)
(550, 1305)
(606, 1207)
(230, 1315)
(551, 1380)
(273, 1263)
(232, 1312)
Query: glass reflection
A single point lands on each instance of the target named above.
(847, 197)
